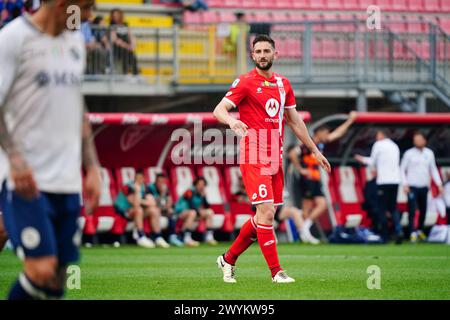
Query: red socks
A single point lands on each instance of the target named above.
(266, 240)
(247, 235)
(267, 243)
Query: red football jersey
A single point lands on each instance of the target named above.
(261, 102)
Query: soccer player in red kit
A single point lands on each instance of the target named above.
(264, 99)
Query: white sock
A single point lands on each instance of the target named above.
(307, 224)
(209, 235)
(187, 236)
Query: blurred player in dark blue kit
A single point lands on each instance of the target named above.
(47, 139)
(3, 173)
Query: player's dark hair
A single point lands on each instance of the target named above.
(139, 171)
(383, 131)
(291, 147)
(239, 15)
(160, 175)
(419, 133)
(264, 38)
(198, 179)
(321, 128)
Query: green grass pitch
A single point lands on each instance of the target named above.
(419, 271)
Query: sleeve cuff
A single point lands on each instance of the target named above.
(230, 102)
(291, 107)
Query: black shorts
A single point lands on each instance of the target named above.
(311, 189)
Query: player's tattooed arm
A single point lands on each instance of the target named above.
(299, 128)
(21, 173)
(92, 166)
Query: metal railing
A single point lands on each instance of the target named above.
(341, 54)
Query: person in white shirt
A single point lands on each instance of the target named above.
(417, 168)
(47, 138)
(385, 157)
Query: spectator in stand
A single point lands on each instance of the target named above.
(193, 5)
(136, 205)
(231, 40)
(100, 31)
(418, 167)
(385, 157)
(193, 205)
(97, 56)
(123, 42)
(160, 191)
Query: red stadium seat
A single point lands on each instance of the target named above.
(232, 3)
(182, 178)
(125, 175)
(364, 4)
(331, 26)
(416, 5)
(399, 5)
(350, 196)
(445, 173)
(261, 17)
(396, 24)
(445, 5)
(215, 189)
(284, 4)
(350, 5)
(330, 188)
(266, 4)
(296, 17)
(386, 5)
(445, 24)
(330, 49)
(293, 48)
(232, 175)
(279, 17)
(192, 17)
(104, 217)
(414, 26)
(318, 5)
(431, 6)
(210, 17)
(240, 212)
(151, 172)
(300, 4)
(226, 16)
(215, 3)
(108, 189)
(316, 17)
(216, 196)
(334, 4)
(252, 4)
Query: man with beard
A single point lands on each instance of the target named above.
(264, 98)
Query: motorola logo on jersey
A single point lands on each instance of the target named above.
(272, 107)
